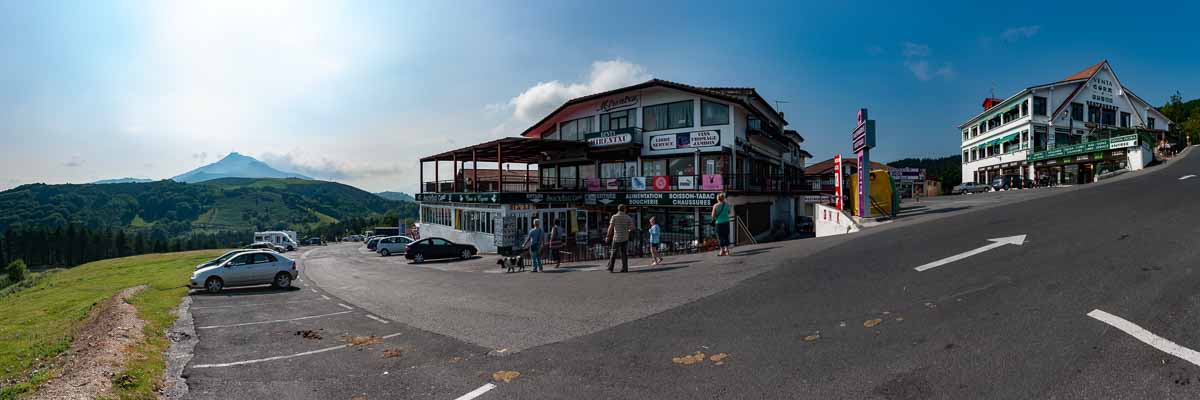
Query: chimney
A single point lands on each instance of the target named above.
(990, 102)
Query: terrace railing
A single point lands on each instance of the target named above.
(766, 183)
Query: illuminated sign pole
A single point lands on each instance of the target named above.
(837, 180)
(863, 139)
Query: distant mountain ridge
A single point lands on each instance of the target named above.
(397, 196)
(235, 165)
(121, 180)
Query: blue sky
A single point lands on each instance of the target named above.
(357, 91)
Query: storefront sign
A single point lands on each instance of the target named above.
(684, 140)
(669, 199)
(661, 183)
(610, 137)
(603, 198)
(1090, 147)
(837, 180)
(712, 182)
(613, 103)
(612, 184)
(687, 183)
(637, 183)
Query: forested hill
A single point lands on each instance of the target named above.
(178, 208)
(946, 169)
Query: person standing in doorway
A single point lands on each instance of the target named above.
(655, 240)
(619, 227)
(534, 243)
(721, 217)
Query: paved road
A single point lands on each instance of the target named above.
(1071, 313)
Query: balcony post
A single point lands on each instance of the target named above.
(499, 167)
(437, 185)
(454, 173)
(474, 172)
(421, 177)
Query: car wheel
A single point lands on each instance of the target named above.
(418, 258)
(466, 253)
(283, 280)
(214, 285)
(290, 248)
(385, 253)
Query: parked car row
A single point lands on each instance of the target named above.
(1004, 182)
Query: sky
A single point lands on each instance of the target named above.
(357, 91)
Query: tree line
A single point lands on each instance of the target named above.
(75, 244)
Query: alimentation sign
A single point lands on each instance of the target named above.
(701, 199)
(685, 140)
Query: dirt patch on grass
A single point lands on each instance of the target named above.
(98, 352)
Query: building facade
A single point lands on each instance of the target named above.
(665, 149)
(1072, 131)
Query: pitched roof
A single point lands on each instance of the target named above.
(826, 167)
(733, 95)
(1086, 73)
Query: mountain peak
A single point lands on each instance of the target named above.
(235, 165)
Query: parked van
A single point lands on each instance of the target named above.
(281, 238)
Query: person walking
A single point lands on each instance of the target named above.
(619, 227)
(655, 240)
(534, 243)
(553, 244)
(721, 217)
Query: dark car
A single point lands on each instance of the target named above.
(314, 241)
(373, 243)
(435, 247)
(1009, 182)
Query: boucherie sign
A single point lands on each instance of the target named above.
(613, 103)
(685, 140)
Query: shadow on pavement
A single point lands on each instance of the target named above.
(925, 210)
(245, 291)
(658, 269)
(447, 260)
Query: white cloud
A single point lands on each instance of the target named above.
(321, 167)
(537, 101)
(923, 72)
(915, 49)
(1020, 32)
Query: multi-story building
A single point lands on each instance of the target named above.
(663, 148)
(1070, 131)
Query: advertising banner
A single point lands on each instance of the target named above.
(661, 183)
(687, 183)
(637, 183)
(593, 184)
(711, 182)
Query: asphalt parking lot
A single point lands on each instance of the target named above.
(303, 343)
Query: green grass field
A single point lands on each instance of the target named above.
(37, 323)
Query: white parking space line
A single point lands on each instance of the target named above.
(313, 290)
(1147, 337)
(377, 318)
(272, 321)
(259, 360)
(325, 297)
(477, 392)
(255, 304)
(346, 306)
(1186, 177)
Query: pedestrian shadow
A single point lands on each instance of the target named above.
(570, 267)
(751, 252)
(658, 269)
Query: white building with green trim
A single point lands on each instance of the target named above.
(1072, 131)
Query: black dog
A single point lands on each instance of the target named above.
(511, 264)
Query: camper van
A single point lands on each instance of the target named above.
(281, 238)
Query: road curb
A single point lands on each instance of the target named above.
(182, 335)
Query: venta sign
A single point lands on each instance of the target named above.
(685, 140)
(613, 103)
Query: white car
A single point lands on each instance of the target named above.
(254, 267)
(392, 245)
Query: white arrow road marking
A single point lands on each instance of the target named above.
(1147, 337)
(477, 392)
(1186, 177)
(997, 242)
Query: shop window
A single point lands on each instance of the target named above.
(568, 177)
(964, 158)
(1125, 119)
(618, 119)
(612, 170)
(681, 166)
(712, 164)
(1108, 117)
(1150, 122)
(1024, 108)
(550, 134)
(575, 129)
(1039, 105)
(713, 113)
(1077, 111)
(667, 116)
(587, 171)
(965, 133)
(549, 176)
(1093, 114)
(654, 167)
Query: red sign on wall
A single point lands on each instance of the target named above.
(661, 183)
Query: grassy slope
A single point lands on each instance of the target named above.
(36, 323)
